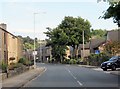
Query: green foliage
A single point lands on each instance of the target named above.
(12, 66)
(113, 12)
(28, 43)
(68, 33)
(3, 66)
(66, 61)
(28, 46)
(99, 33)
(112, 48)
(17, 65)
(73, 27)
(109, 1)
(72, 61)
(24, 61)
(97, 59)
(57, 40)
(79, 61)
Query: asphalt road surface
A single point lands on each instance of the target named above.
(61, 75)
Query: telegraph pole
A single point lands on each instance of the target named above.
(83, 44)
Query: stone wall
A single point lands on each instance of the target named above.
(16, 71)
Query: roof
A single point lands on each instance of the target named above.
(7, 31)
(94, 43)
(113, 35)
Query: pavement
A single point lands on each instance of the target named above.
(62, 75)
(19, 80)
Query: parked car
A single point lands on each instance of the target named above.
(113, 63)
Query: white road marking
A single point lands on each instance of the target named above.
(79, 83)
(74, 77)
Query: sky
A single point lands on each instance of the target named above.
(19, 15)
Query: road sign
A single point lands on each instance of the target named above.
(97, 51)
(34, 52)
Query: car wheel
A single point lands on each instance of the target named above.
(113, 67)
(105, 69)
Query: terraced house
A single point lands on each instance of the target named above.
(3, 43)
(10, 46)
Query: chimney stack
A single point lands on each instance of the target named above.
(4, 26)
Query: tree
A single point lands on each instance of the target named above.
(73, 27)
(99, 33)
(113, 11)
(112, 48)
(28, 43)
(68, 33)
(57, 40)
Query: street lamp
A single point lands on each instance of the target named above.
(34, 43)
(34, 53)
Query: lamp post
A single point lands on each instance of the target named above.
(83, 45)
(34, 53)
(34, 43)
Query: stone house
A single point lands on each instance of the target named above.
(44, 52)
(10, 45)
(96, 45)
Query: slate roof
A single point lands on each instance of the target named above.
(94, 43)
(113, 35)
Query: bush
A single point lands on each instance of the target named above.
(72, 61)
(25, 61)
(22, 60)
(17, 65)
(97, 59)
(3, 66)
(78, 61)
(66, 61)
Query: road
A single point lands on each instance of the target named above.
(58, 75)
